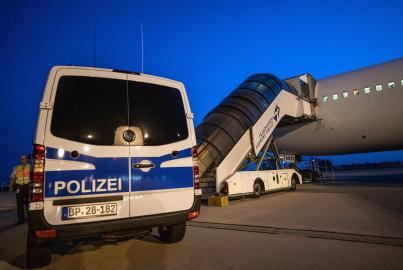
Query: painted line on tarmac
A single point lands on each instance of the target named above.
(361, 238)
(6, 210)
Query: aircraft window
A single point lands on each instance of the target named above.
(335, 96)
(401, 82)
(367, 90)
(391, 84)
(325, 98)
(378, 87)
(345, 94)
(356, 92)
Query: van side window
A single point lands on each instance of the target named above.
(89, 109)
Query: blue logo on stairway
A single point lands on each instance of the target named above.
(276, 112)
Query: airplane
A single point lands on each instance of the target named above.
(357, 111)
(354, 112)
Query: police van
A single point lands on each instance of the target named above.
(114, 153)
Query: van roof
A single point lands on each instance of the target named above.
(116, 70)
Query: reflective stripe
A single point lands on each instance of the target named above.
(22, 174)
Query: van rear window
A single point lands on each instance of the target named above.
(90, 109)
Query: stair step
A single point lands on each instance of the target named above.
(207, 180)
(206, 192)
(212, 170)
(207, 185)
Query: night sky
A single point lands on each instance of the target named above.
(211, 46)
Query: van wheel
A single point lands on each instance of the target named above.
(37, 255)
(293, 183)
(257, 189)
(173, 233)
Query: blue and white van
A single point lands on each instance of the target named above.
(114, 152)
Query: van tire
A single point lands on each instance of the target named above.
(257, 189)
(294, 181)
(172, 233)
(37, 255)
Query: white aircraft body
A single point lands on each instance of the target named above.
(358, 111)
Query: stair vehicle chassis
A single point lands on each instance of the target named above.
(256, 183)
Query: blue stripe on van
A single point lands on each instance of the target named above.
(106, 168)
(162, 178)
(81, 182)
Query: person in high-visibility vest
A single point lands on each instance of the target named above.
(19, 181)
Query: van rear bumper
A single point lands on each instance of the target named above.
(36, 221)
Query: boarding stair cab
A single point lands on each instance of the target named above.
(114, 155)
(260, 175)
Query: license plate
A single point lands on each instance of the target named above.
(88, 211)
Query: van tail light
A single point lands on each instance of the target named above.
(193, 214)
(37, 173)
(45, 233)
(196, 175)
(194, 151)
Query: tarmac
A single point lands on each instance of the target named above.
(7, 202)
(352, 223)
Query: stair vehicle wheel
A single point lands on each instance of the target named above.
(37, 255)
(257, 189)
(293, 183)
(172, 233)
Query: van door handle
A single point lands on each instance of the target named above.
(143, 166)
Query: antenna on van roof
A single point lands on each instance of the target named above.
(95, 46)
(142, 47)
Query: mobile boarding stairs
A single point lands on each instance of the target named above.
(240, 128)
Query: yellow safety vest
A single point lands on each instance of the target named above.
(22, 174)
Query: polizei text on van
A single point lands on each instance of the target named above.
(88, 186)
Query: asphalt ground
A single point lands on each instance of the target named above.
(350, 223)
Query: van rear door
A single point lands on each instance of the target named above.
(86, 170)
(161, 160)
